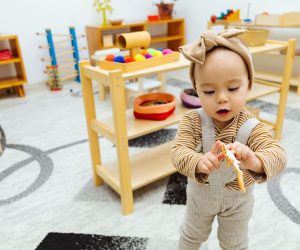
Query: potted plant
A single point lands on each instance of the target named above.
(103, 6)
(165, 9)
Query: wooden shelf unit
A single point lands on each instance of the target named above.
(17, 81)
(130, 172)
(263, 75)
(174, 36)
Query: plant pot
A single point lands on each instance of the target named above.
(165, 10)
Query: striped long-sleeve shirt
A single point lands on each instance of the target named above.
(185, 154)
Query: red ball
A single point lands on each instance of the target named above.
(213, 18)
(110, 57)
(129, 59)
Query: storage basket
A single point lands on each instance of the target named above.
(154, 106)
(254, 37)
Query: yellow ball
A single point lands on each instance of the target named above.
(157, 53)
(139, 57)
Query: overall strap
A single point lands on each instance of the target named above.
(245, 130)
(208, 131)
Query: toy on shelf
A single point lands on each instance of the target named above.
(154, 106)
(6, 54)
(69, 58)
(138, 58)
(190, 99)
(230, 15)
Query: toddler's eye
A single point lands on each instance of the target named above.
(209, 92)
(233, 89)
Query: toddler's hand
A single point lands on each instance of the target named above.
(245, 155)
(211, 160)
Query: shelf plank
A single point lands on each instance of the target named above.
(178, 20)
(146, 167)
(11, 81)
(8, 37)
(121, 26)
(158, 39)
(137, 127)
(12, 60)
(269, 46)
(259, 90)
(275, 77)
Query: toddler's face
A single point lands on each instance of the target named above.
(222, 85)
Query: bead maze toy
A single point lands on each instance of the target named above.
(230, 15)
(139, 56)
(68, 58)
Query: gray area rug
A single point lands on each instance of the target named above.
(47, 196)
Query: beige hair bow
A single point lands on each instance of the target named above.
(196, 51)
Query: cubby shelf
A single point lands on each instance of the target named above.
(16, 81)
(174, 36)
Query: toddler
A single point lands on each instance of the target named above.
(221, 72)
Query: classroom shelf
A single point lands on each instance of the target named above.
(137, 127)
(9, 61)
(146, 167)
(17, 81)
(268, 76)
(130, 172)
(174, 36)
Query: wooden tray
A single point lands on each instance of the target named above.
(138, 65)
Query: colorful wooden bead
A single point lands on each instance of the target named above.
(129, 59)
(167, 51)
(147, 56)
(139, 57)
(119, 59)
(157, 53)
(109, 57)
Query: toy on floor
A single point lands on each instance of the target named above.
(190, 99)
(53, 78)
(68, 67)
(232, 161)
(2, 141)
(230, 15)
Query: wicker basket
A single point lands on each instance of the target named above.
(254, 37)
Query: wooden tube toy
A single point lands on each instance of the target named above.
(133, 41)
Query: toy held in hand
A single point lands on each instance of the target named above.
(232, 161)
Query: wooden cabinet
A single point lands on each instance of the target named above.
(18, 78)
(129, 173)
(263, 75)
(173, 33)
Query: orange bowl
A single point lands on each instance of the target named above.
(157, 102)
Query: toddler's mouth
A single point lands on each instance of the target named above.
(223, 111)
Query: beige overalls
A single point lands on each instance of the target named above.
(205, 201)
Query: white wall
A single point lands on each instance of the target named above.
(25, 18)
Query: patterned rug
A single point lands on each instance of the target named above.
(48, 200)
